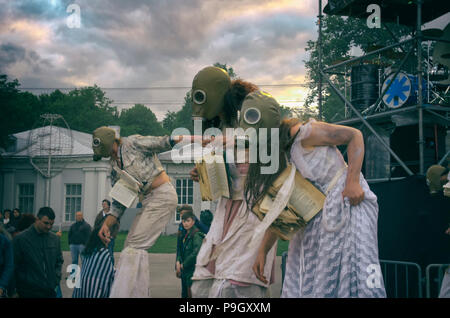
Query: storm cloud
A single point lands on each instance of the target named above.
(153, 43)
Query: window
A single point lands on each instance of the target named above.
(26, 197)
(185, 191)
(185, 194)
(73, 201)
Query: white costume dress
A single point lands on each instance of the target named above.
(232, 276)
(336, 255)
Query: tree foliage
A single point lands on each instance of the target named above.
(85, 109)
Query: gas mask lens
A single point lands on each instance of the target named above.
(252, 116)
(199, 96)
(96, 142)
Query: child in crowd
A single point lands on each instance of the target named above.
(186, 259)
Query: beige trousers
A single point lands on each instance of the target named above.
(132, 279)
(222, 288)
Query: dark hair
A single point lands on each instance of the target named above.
(186, 207)
(107, 201)
(26, 220)
(188, 215)
(7, 210)
(94, 242)
(16, 209)
(46, 211)
(234, 98)
(257, 184)
(206, 217)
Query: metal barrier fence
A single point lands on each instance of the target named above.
(436, 281)
(402, 279)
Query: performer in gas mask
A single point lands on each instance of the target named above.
(137, 156)
(336, 253)
(437, 177)
(224, 263)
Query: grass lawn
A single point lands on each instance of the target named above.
(166, 244)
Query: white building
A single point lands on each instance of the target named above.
(79, 184)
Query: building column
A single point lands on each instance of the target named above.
(9, 188)
(57, 194)
(90, 195)
(101, 187)
(39, 193)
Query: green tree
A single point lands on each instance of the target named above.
(139, 120)
(18, 111)
(168, 122)
(229, 70)
(84, 109)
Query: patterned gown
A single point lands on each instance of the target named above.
(336, 255)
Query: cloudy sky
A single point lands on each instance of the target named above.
(157, 44)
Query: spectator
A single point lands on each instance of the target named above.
(6, 263)
(38, 258)
(26, 220)
(191, 243)
(437, 176)
(78, 235)
(15, 218)
(97, 270)
(6, 218)
(206, 218)
(106, 205)
(182, 232)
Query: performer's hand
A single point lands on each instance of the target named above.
(258, 266)
(178, 268)
(194, 174)
(105, 233)
(353, 192)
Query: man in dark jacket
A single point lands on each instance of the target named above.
(78, 235)
(38, 258)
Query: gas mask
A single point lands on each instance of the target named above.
(434, 174)
(102, 142)
(208, 92)
(259, 110)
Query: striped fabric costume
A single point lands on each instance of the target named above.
(97, 275)
(336, 255)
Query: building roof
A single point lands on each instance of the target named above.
(53, 140)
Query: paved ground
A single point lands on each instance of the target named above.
(163, 282)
